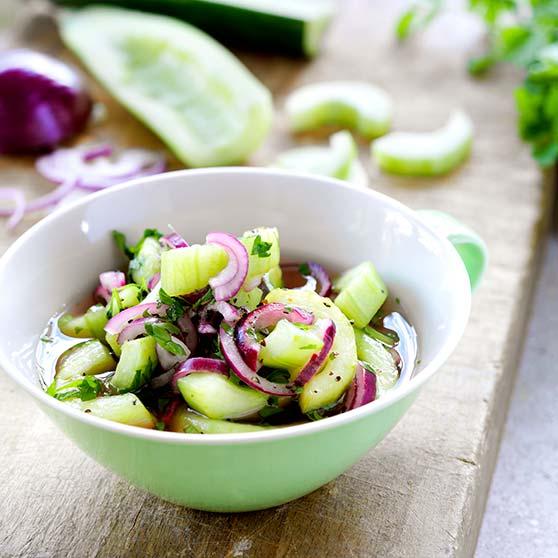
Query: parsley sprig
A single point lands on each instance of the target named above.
(86, 388)
(162, 333)
(261, 248)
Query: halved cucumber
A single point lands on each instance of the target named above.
(191, 423)
(247, 299)
(426, 154)
(85, 359)
(357, 105)
(136, 364)
(361, 293)
(96, 320)
(74, 326)
(186, 270)
(191, 91)
(330, 383)
(289, 346)
(126, 409)
(218, 397)
(336, 161)
(378, 359)
(261, 261)
(147, 261)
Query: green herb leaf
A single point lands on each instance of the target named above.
(207, 298)
(308, 347)
(163, 338)
(131, 251)
(261, 248)
(176, 307)
(86, 388)
(304, 269)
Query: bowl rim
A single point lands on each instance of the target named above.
(273, 434)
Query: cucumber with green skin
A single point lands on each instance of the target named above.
(327, 386)
(147, 261)
(262, 245)
(218, 397)
(74, 326)
(136, 364)
(125, 408)
(192, 92)
(292, 27)
(185, 421)
(86, 359)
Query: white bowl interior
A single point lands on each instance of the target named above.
(58, 261)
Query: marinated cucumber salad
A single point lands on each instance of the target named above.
(224, 337)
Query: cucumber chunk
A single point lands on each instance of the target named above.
(192, 92)
(326, 387)
(426, 154)
(96, 319)
(273, 279)
(247, 299)
(112, 341)
(218, 397)
(361, 293)
(74, 326)
(186, 270)
(285, 26)
(262, 245)
(122, 298)
(289, 346)
(86, 359)
(191, 423)
(126, 409)
(357, 105)
(337, 161)
(136, 364)
(147, 261)
(377, 358)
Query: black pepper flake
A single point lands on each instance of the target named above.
(338, 378)
(87, 410)
(134, 401)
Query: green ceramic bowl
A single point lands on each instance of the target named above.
(56, 262)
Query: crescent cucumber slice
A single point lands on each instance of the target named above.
(426, 154)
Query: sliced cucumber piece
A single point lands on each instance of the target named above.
(357, 105)
(426, 154)
(122, 298)
(289, 346)
(286, 26)
(192, 92)
(273, 279)
(74, 326)
(186, 270)
(361, 293)
(247, 299)
(112, 341)
(147, 261)
(377, 358)
(85, 359)
(330, 383)
(136, 364)
(126, 409)
(262, 245)
(96, 319)
(218, 397)
(191, 423)
(336, 161)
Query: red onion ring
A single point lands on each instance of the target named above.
(327, 328)
(228, 282)
(228, 311)
(135, 329)
(101, 294)
(243, 371)
(260, 318)
(102, 150)
(321, 275)
(16, 213)
(168, 360)
(111, 280)
(199, 364)
(253, 283)
(189, 333)
(205, 328)
(173, 240)
(153, 281)
(116, 324)
(362, 389)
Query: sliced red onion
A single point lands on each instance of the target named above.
(93, 169)
(189, 333)
(101, 294)
(321, 275)
(243, 371)
(228, 282)
(151, 284)
(116, 324)
(199, 364)
(168, 360)
(327, 330)
(18, 210)
(173, 240)
(362, 390)
(253, 283)
(170, 409)
(111, 280)
(230, 314)
(135, 329)
(264, 316)
(205, 328)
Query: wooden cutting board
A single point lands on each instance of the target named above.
(421, 492)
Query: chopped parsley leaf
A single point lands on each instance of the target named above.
(86, 388)
(161, 334)
(304, 269)
(261, 248)
(176, 307)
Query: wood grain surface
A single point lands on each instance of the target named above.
(421, 492)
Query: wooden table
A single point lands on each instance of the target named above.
(421, 492)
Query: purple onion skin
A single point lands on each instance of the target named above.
(42, 102)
